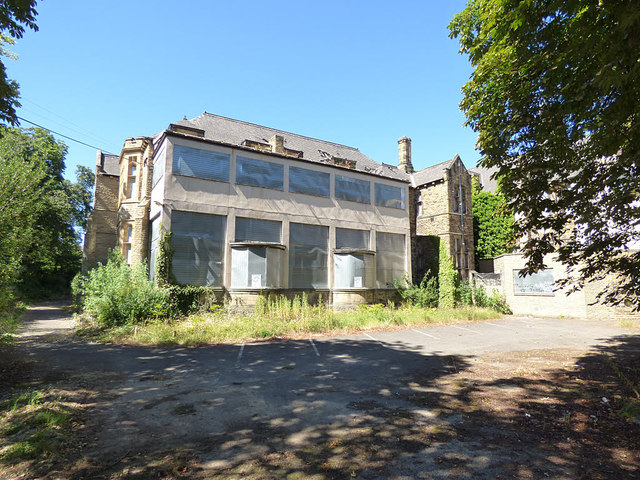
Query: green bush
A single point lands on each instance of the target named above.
(187, 299)
(423, 295)
(480, 298)
(496, 301)
(117, 294)
(464, 294)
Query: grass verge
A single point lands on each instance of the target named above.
(10, 318)
(281, 318)
(36, 424)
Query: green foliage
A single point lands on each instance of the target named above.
(117, 294)
(188, 299)
(163, 274)
(447, 279)
(493, 224)
(39, 210)
(15, 15)
(424, 295)
(495, 301)
(464, 295)
(554, 97)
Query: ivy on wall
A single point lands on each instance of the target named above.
(447, 279)
(163, 274)
(493, 224)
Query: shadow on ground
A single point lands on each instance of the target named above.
(357, 409)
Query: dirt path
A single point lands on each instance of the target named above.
(518, 398)
(47, 321)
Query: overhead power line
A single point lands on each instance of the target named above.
(64, 136)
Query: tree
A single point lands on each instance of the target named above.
(40, 211)
(555, 99)
(14, 16)
(492, 224)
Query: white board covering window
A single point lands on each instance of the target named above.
(389, 196)
(198, 245)
(153, 247)
(311, 182)
(353, 189)
(256, 267)
(259, 173)
(257, 254)
(353, 262)
(308, 247)
(390, 258)
(353, 270)
(194, 162)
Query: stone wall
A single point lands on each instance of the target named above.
(439, 216)
(101, 235)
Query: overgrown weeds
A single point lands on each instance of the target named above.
(280, 317)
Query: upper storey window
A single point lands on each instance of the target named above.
(311, 182)
(353, 189)
(132, 173)
(259, 173)
(194, 162)
(389, 196)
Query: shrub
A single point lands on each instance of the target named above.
(116, 294)
(464, 294)
(423, 295)
(498, 302)
(480, 298)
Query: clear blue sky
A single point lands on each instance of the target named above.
(360, 73)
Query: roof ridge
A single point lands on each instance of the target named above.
(278, 130)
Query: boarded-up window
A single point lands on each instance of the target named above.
(256, 230)
(308, 256)
(389, 196)
(194, 162)
(198, 243)
(158, 170)
(153, 247)
(256, 267)
(302, 180)
(259, 173)
(390, 258)
(127, 240)
(353, 189)
(350, 238)
(352, 270)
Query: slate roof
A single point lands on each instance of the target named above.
(234, 132)
(433, 173)
(484, 177)
(109, 164)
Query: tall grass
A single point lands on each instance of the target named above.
(281, 317)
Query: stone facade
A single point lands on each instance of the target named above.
(442, 212)
(101, 235)
(134, 200)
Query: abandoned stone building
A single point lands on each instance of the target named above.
(252, 209)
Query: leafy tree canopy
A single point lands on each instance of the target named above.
(15, 15)
(40, 211)
(492, 224)
(555, 99)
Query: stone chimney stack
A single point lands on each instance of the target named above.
(277, 144)
(404, 155)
